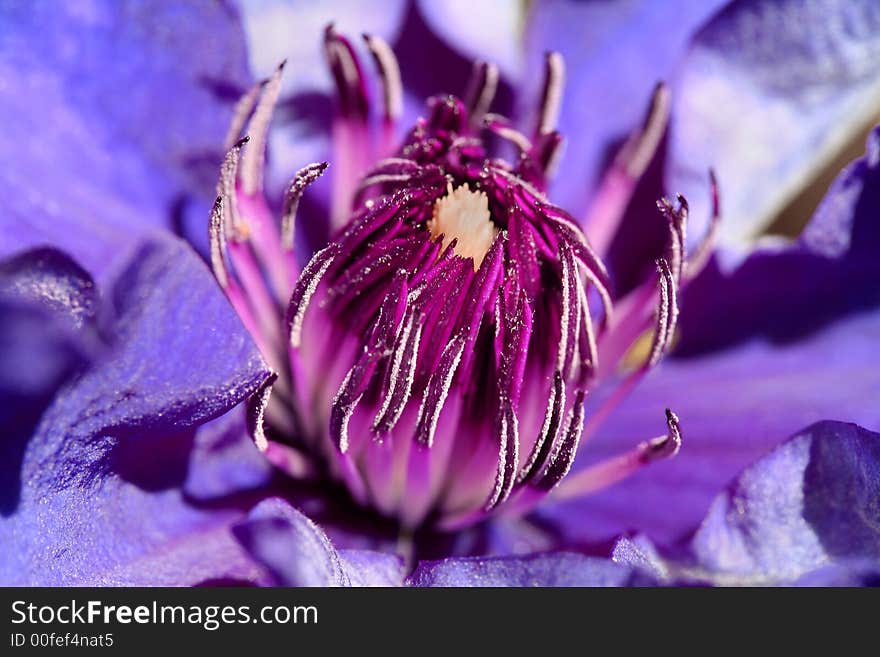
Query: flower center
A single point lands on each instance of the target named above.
(436, 355)
(463, 215)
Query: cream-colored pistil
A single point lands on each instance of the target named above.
(464, 215)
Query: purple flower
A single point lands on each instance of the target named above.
(438, 335)
(439, 349)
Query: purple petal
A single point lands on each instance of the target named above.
(91, 164)
(769, 93)
(51, 279)
(38, 354)
(225, 461)
(734, 406)
(44, 300)
(549, 569)
(811, 501)
(855, 572)
(166, 304)
(99, 499)
(639, 552)
(298, 553)
(293, 548)
(372, 568)
(615, 53)
(830, 271)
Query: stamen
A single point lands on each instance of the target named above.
(341, 411)
(218, 248)
(443, 320)
(437, 391)
(521, 247)
(394, 165)
(501, 126)
(303, 292)
(400, 378)
(677, 218)
(540, 164)
(513, 331)
(508, 457)
(389, 71)
(619, 183)
(256, 409)
(667, 313)
(352, 388)
(666, 316)
(639, 149)
(444, 263)
(568, 334)
(390, 316)
(602, 289)
(551, 93)
(552, 419)
(383, 260)
(217, 239)
(303, 178)
(481, 91)
(478, 295)
(248, 216)
(447, 113)
(583, 248)
(617, 468)
(566, 449)
(381, 179)
(232, 220)
(352, 148)
(254, 159)
(568, 229)
(265, 307)
(664, 446)
(588, 348)
(241, 112)
(696, 262)
(346, 70)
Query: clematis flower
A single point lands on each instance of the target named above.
(454, 351)
(439, 349)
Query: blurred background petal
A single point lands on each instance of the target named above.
(771, 93)
(113, 119)
(615, 53)
(490, 30)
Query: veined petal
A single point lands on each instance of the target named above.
(810, 502)
(116, 439)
